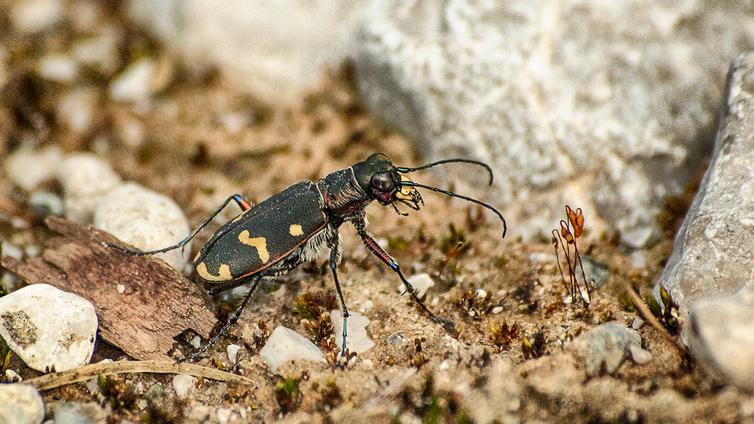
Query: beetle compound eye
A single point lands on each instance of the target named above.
(382, 182)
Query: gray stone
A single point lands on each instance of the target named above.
(184, 384)
(606, 346)
(597, 273)
(712, 254)
(285, 345)
(49, 329)
(46, 203)
(710, 267)
(58, 68)
(612, 126)
(86, 179)
(145, 219)
(28, 168)
(358, 339)
(20, 404)
(721, 337)
(293, 40)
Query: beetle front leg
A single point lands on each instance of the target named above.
(240, 201)
(334, 245)
(375, 248)
(224, 329)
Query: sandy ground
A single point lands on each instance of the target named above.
(191, 151)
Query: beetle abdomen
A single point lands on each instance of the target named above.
(263, 235)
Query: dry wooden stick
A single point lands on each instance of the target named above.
(57, 379)
(647, 314)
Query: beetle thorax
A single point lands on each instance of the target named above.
(343, 197)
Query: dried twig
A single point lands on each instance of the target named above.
(647, 314)
(57, 379)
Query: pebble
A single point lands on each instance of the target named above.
(12, 377)
(637, 323)
(20, 404)
(597, 273)
(46, 203)
(184, 384)
(232, 351)
(134, 84)
(606, 346)
(395, 338)
(31, 16)
(144, 219)
(79, 413)
(358, 339)
(76, 109)
(421, 282)
(58, 68)
(49, 329)
(28, 168)
(223, 415)
(85, 179)
(285, 345)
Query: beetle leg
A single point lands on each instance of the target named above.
(224, 329)
(375, 248)
(243, 204)
(334, 245)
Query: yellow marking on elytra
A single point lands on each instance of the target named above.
(296, 230)
(196, 257)
(260, 243)
(223, 273)
(405, 191)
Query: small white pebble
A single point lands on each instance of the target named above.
(58, 67)
(196, 342)
(481, 293)
(183, 384)
(120, 288)
(497, 309)
(223, 415)
(444, 365)
(12, 377)
(637, 323)
(232, 350)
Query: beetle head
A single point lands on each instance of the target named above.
(381, 180)
(386, 183)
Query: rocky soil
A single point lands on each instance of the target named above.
(103, 125)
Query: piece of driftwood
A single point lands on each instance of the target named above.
(154, 304)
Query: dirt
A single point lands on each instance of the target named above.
(508, 359)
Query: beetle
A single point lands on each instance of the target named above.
(291, 227)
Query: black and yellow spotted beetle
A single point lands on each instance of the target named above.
(291, 227)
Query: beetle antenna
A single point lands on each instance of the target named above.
(460, 196)
(403, 169)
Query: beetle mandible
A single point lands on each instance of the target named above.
(291, 227)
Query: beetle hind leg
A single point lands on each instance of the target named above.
(243, 204)
(224, 329)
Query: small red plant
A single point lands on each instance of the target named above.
(565, 240)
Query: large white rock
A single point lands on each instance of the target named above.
(49, 329)
(285, 345)
(597, 104)
(276, 49)
(85, 179)
(146, 220)
(709, 273)
(20, 404)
